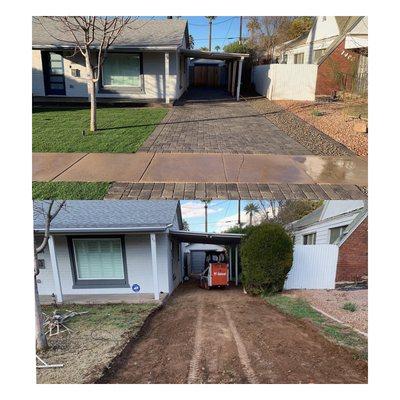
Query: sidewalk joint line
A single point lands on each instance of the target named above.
(70, 166)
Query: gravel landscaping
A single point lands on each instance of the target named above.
(332, 302)
(304, 133)
(336, 119)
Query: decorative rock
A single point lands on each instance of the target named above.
(360, 126)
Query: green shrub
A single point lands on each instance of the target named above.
(317, 113)
(266, 256)
(349, 306)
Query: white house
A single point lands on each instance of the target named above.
(105, 250)
(330, 246)
(143, 64)
(147, 63)
(310, 47)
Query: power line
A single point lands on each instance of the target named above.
(214, 23)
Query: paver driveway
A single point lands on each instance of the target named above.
(225, 336)
(218, 125)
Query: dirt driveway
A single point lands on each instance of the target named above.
(224, 336)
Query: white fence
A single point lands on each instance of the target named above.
(314, 267)
(286, 81)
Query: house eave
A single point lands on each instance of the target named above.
(171, 47)
(142, 229)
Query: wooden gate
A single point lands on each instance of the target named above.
(206, 75)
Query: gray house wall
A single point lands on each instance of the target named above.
(153, 74)
(139, 268)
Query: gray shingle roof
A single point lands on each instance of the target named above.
(139, 33)
(108, 214)
(308, 219)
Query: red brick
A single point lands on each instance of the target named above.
(353, 255)
(326, 80)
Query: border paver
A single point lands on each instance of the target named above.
(234, 191)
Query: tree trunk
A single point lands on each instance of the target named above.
(93, 106)
(92, 94)
(41, 341)
(251, 219)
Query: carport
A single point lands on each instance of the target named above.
(233, 61)
(229, 240)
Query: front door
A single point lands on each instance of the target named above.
(53, 72)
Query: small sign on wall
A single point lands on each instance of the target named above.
(136, 288)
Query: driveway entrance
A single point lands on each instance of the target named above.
(208, 120)
(225, 336)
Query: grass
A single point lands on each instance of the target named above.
(69, 190)
(340, 334)
(120, 130)
(104, 316)
(349, 306)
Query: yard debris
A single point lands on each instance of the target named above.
(43, 364)
(55, 322)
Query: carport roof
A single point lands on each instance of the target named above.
(212, 55)
(204, 237)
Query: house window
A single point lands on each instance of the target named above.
(299, 58)
(335, 233)
(318, 54)
(310, 238)
(98, 261)
(284, 58)
(121, 70)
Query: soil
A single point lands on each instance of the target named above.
(225, 336)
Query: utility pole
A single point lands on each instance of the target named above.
(239, 223)
(206, 216)
(210, 20)
(240, 30)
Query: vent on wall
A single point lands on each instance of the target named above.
(75, 72)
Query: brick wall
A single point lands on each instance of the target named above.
(353, 255)
(340, 60)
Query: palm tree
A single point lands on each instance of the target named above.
(206, 203)
(250, 210)
(217, 48)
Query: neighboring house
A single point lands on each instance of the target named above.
(101, 249)
(144, 64)
(339, 46)
(343, 224)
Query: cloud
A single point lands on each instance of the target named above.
(194, 209)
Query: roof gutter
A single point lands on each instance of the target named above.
(107, 230)
(95, 47)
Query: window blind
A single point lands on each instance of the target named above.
(98, 259)
(121, 70)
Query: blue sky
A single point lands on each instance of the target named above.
(222, 214)
(225, 30)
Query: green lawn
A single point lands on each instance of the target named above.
(120, 130)
(338, 333)
(69, 190)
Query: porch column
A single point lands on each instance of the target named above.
(239, 80)
(230, 263)
(54, 267)
(154, 265)
(236, 266)
(166, 77)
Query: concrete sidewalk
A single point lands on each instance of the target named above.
(199, 167)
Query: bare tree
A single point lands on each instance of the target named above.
(91, 37)
(267, 32)
(49, 213)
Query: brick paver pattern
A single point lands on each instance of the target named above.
(220, 126)
(232, 191)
